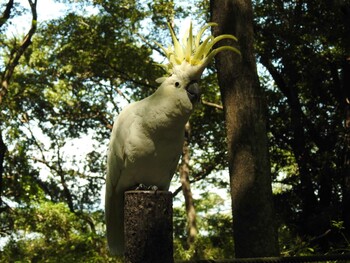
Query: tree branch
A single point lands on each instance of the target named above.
(207, 168)
(3, 150)
(58, 169)
(125, 76)
(184, 171)
(61, 174)
(211, 104)
(18, 52)
(6, 14)
(153, 47)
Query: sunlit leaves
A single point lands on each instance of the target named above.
(50, 232)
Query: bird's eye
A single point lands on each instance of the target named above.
(177, 84)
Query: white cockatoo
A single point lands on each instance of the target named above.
(148, 135)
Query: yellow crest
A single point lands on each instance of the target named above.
(192, 51)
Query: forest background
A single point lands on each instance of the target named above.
(67, 78)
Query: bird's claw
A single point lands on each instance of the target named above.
(153, 187)
(141, 187)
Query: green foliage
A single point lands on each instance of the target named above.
(83, 67)
(75, 77)
(303, 47)
(48, 232)
(214, 240)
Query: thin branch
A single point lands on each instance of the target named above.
(67, 193)
(211, 104)
(206, 169)
(125, 76)
(119, 92)
(110, 95)
(36, 142)
(153, 47)
(56, 168)
(200, 175)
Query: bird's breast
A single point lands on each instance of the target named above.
(151, 160)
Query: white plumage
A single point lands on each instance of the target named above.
(145, 147)
(147, 137)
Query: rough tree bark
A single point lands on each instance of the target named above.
(346, 170)
(3, 150)
(255, 233)
(345, 7)
(148, 227)
(186, 189)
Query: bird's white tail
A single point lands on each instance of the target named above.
(115, 223)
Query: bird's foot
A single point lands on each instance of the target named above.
(144, 187)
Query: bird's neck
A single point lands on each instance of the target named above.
(165, 115)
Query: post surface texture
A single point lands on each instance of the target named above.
(148, 227)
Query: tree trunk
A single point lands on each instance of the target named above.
(255, 233)
(346, 172)
(345, 7)
(303, 159)
(3, 150)
(186, 189)
(298, 144)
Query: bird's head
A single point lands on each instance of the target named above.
(188, 59)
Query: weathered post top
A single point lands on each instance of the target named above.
(148, 227)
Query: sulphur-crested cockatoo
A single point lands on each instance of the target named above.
(148, 135)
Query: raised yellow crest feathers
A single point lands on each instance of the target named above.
(192, 51)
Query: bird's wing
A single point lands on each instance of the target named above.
(114, 198)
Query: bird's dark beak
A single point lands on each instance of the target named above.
(193, 92)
